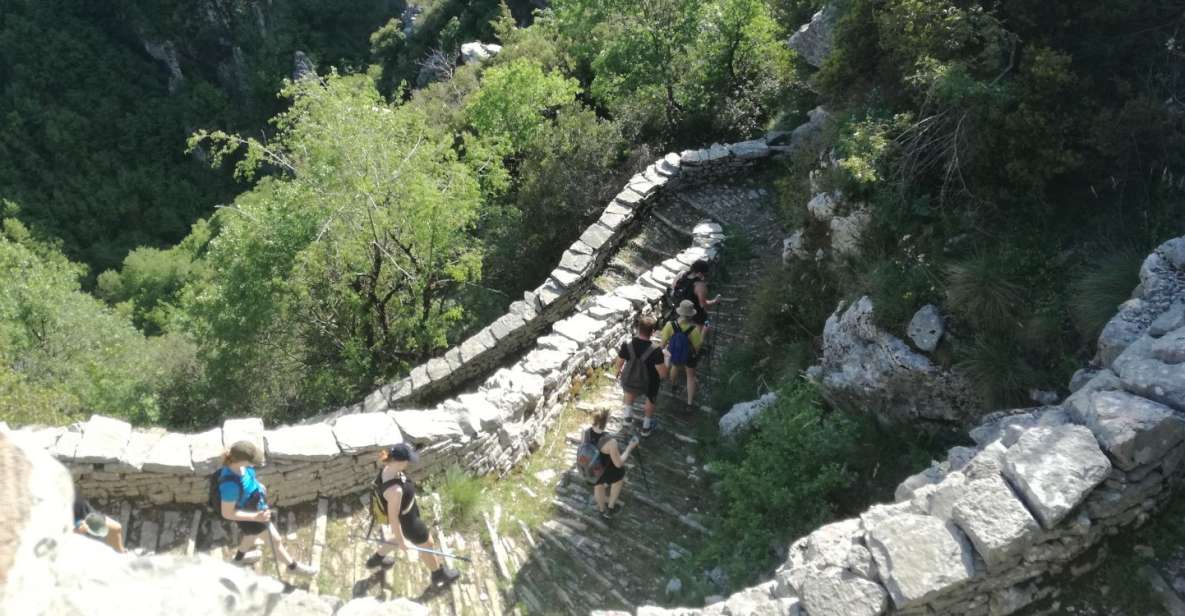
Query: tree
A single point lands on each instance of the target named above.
(513, 99)
(341, 268)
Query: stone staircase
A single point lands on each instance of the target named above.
(569, 560)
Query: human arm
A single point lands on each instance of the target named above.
(617, 366)
(230, 512)
(619, 457)
(394, 496)
(660, 363)
(701, 293)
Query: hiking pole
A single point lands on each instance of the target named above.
(642, 467)
(410, 546)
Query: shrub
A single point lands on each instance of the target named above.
(981, 290)
(997, 368)
(1097, 291)
(461, 496)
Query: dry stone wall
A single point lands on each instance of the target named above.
(994, 527)
(485, 430)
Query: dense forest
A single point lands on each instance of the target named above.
(194, 226)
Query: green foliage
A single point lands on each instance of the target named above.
(341, 269)
(512, 100)
(898, 287)
(979, 290)
(462, 497)
(63, 353)
(1097, 291)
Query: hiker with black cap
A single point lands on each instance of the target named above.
(692, 286)
(395, 492)
(244, 501)
(92, 523)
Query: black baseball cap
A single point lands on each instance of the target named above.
(402, 453)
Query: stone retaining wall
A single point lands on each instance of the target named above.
(992, 528)
(486, 430)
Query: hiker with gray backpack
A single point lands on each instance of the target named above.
(602, 463)
(682, 339)
(640, 367)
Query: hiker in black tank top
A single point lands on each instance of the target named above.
(613, 477)
(398, 503)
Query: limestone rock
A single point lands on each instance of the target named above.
(169, 455)
(1161, 286)
(997, 523)
(919, 557)
(793, 247)
(422, 427)
(1133, 430)
(363, 432)
(1054, 469)
(245, 429)
(743, 414)
(205, 450)
(805, 135)
(746, 150)
(847, 231)
(302, 603)
(939, 499)
(835, 592)
(477, 52)
(1155, 380)
(302, 66)
(140, 444)
(103, 440)
(907, 488)
(580, 327)
(926, 328)
(304, 443)
(822, 206)
(813, 40)
(369, 606)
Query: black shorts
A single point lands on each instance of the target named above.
(251, 528)
(612, 474)
(414, 529)
(692, 362)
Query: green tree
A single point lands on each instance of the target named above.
(342, 267)
(513, 98)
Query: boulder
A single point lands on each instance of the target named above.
(303, 603)
(310, 443)
(364, 432)
(919, 557)
(369, 606)
(836, 592)
(477, 52)
(205, 450)
(743, 414)
(998, 524)
(847, 231)
(103, 440)
(926, 328)
(1161, 286)
(939, 499)
(794, 247)
(247, 429)
(302, 66)
(1054, 469)
(1134, 431)
(813, 41)
(865, 369)
(425, 427)
(806, 134)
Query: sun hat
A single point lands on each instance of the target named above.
(686, 308)
(95, 525)
(402, 453)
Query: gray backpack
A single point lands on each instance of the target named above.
(635, 378)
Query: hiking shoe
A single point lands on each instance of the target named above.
(248, 558)
(616, 509)
(444, 576)
(377, 560)
(607, 514)
(648, 426)
(302, 569)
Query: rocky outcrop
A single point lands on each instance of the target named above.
(477, 52)
(813, 40)
(742, 414)
(866, 369)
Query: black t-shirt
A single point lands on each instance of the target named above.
(640, 348)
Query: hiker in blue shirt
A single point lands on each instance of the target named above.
(244, 502)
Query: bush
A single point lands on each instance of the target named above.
(981, 291)
(461, 497)
(1097, 291)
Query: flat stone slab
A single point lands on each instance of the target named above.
(506, 325)
(998, 524)
(576, 262)
(628, 197)
(550, 291)
(919, 557)
(67, 443)
(543, 361)
(438, 368)
(482, 411)
(581, 328)
(566, 277)
(558, 343)
(309, 443)
(245, 429)
(1132, 429)
(366, 432)
(205, 450)
(477, 344)
(103, 440)
(140, 444)
(634, 293)
(748, 150)
(1154, 379)
(427, 426)
(836, 592)
(169, 455)
(38, 437)
(1054, 469)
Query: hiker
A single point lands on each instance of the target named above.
(612, 461)
(682, 339)
(640, 368)
(693, 286)
(244, 501)
(93, 523)
(394, 491)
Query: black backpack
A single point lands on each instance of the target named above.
(215, 499)
(635, 378)
(683, 289)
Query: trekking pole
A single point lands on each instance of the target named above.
(642, 467)
(409, 546)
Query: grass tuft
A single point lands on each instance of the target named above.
(1098, 290)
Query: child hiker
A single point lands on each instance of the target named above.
(682, 339)
(395, 492)
(612, 460)
(243, 500)
(92, 523)
(640, 368)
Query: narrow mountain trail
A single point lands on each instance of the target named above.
(535, 541)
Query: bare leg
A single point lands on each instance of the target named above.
(674, 374)
(248, 542)
(430, 560)
(281, 552)
(690, 385)
(628, 405)
(614, 492)
(115, 535)
(599, 496)
(648, 408)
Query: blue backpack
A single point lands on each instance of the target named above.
(680, 345)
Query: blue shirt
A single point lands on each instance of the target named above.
(241, 489)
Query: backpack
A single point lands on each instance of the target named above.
(588, 458)
(680, 345)
(378, 502)
(683, 289)
(635, 378)
(215, 484)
